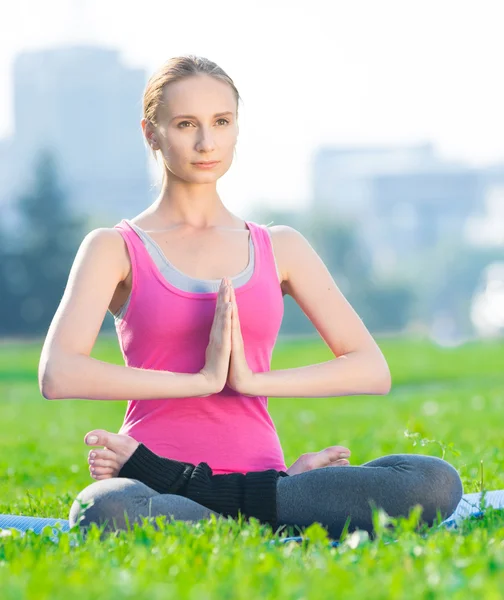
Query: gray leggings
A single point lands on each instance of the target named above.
(328, 495)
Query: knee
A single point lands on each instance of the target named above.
(106, 501)
(443, 487)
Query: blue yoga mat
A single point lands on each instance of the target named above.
(468, 506)
(36, 524)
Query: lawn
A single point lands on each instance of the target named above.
(452, 398)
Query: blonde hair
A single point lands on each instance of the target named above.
(176, 69)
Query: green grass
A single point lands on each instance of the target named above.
(453, 397)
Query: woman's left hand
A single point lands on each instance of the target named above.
(240, 376)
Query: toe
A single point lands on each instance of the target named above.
(96, 437)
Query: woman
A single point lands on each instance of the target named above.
(197, 342)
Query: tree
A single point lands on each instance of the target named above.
(37, 273)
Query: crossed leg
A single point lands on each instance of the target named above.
(118, 501)
(326, 495)
(395, 482)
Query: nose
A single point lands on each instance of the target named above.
(206, 141)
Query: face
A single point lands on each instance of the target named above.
(196, 122)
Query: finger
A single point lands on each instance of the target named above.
(221, 295)
(227, 298)
(229, 339)
(223, 289)
(232, 293)
(229, 313)
(236, 329)
(226, 292)
(220, 298)
(234, 310)
(236, 317)
(234, 325)
(216, 323)
(226, 317)
(220, 334)
(226, 328)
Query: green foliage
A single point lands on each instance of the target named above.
(33, 276)
(444, 402)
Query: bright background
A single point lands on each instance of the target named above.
(310, 73)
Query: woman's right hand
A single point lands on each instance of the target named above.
(218, 350)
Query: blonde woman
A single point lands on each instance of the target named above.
(197, 295)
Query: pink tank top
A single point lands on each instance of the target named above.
(166, 328)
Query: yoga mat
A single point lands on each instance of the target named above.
(468, 505)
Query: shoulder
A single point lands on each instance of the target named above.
(107, 243)
(284, 233)
(287, 239)
(104, 237)
(289, 246)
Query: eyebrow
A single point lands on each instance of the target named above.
(228, 112)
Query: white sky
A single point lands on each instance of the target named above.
(310, 72)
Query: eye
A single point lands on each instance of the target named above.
(189, 122)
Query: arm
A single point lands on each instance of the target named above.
(359, 366)
(66, 369)
(251, 494)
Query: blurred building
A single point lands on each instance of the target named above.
(403, 199)
(86, 106)
(488, 229)
(7, 180)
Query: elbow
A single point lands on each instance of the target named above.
(379, 380)
(46, 383)
(384, 376)
(385, 383)
(47, 390)
(49, 394)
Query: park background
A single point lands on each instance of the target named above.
(376, 130)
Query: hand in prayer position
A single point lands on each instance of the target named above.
(225, 361)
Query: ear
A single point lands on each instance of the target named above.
(148, 129)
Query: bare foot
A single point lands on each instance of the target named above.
(329, 457)
(106, 463)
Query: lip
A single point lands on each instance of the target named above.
(206, 164)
